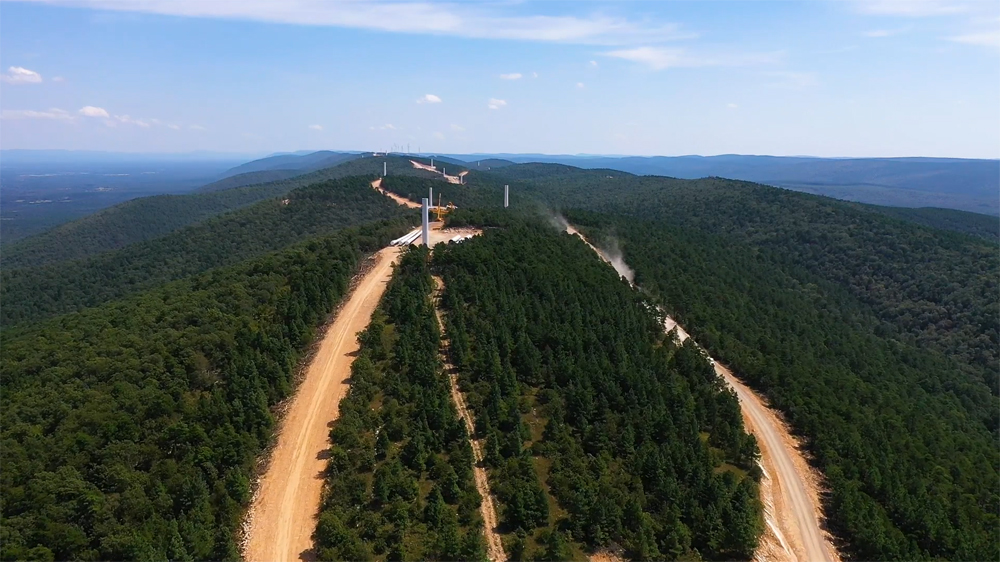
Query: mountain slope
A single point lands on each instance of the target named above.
(968, 185)
(303, 162)
(131, 430)
(34, 293)
(150, 217)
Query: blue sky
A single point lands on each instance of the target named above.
(825, 78)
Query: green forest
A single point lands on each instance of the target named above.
(321, 208)
(905, 437)
(130, 430)
(599, 429)
(399, 483)
(145, 347)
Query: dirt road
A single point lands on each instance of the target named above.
(282, 516)
(377, 184)
(790, 486)
(451, 179)
(494, 546)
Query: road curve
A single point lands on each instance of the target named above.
(792, 504)
(282, 516)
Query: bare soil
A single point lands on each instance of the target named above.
(494, 546)
(282, 517)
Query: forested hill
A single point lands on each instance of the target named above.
(938, 288)
(34, 293)
(599, 430)
(150, 217)
(130, 430)
(905, 437)
(129, 222)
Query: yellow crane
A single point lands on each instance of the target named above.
(442, 211)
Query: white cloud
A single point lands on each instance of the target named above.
(911, 8)
(458, 128)
(58, 79)
(983, 39)
(511, 76)
(880, 33)
(197, 128)
(429, 98)
(731, 105)
(494, 21)
(174, 127)
(316, 127)
(91, 111)
(386, 127)
(54, 113)
(593, 63)
(439, 135)
(659, 58)
(495, 103)
(534, 75)
(579, 85)
(130, 121)
(20, 75)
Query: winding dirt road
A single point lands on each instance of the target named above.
(282, 516)
(494, 545)
(790, 486)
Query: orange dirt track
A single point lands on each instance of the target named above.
(282, 516)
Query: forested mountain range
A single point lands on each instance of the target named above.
(954, 183)
(150, 217)
(855, 324)
(320, 208)
(131, 420)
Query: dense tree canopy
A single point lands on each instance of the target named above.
(599, 429)
(400, 474)
(322, 208)
(906, 439)
(130, 429)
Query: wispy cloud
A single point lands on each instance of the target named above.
(20, 75)
(495, 103)
(54, 113)
(911, 8)
(981, 38)
(144, 123)
(91, 111)
(386, 127)
(659, 58)
(457, 128)
(511, 76)
(197, 128)
(580, 85)
(593, 63)
(316, 127)
(174, 127)
(731, 105)
(429, 98)
(439, 135)
(482, 21)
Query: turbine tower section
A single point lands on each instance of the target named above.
(425, 215)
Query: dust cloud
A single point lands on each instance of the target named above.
(614, 256)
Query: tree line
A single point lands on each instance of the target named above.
(130, 430)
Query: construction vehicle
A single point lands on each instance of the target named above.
(442, 211)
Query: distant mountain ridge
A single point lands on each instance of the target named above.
(951, 183)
